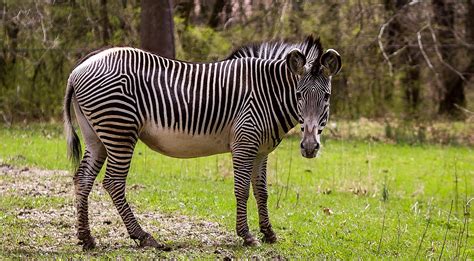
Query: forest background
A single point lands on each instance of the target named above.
(404, 60)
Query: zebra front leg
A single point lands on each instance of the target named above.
(259, 185)
(114, 183)
(83, 182)
(243, 163)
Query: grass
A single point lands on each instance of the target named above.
(359, 199)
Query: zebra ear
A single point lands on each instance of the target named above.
(332, 61)
(296, 61)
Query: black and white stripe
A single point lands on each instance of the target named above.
(243, 105)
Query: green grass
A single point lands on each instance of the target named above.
(385, 200)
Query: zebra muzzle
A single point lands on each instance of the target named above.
(310, 144)
(309, 149)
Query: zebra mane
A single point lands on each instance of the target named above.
(278, 49)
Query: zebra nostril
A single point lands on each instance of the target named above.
(317, 146)
(301, 145)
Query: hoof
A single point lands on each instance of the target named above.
(149, 241)
(269, 237)
(250, 240)
(87, 244)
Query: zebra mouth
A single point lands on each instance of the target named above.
(309, 154)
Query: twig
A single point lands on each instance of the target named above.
(247, 22)
(438, 53)
(399, 51)
(383, 229)
(45, 37)
(4, 7)
(382, 29)
(276, 178)
(466, 217)
(289, 171)
(462, 42)
(8, 122)
(456, 190)
(398, 229)
(379, 38)
(425, 56)
(447, 228)
(288, 177)
(459, 241)
(420, 44)
(422, 238)
(463, 109)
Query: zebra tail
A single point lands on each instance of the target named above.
(73, 142)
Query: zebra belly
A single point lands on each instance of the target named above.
(182, 145)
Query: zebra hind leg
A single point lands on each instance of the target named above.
(91, 163)
(118, 164)
(83, 182)
(259, 185)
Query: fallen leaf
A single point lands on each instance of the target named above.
(328, 211)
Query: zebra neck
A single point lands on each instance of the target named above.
(281, 91)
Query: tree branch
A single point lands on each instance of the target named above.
(41, 18)
(382, 29)
(433, 36)
(379, 37)
(464, 109)
(425, 56)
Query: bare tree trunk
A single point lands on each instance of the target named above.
(157, 27)
(12, 31)
(201, 10)
(216, 11)
(453, 87)
(469, 71)
(105, 22)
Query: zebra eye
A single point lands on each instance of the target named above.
(320, 131)
(302, 128)
(298, 95)
(326, 97)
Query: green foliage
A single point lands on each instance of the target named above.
(51, 38)
(199, 43)
(41, 41)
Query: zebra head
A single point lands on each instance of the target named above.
(313, 93)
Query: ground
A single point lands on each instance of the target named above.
(48, 231)
(360, 199)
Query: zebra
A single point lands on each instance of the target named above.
(244, 105)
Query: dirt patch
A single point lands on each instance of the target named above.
(51, 229)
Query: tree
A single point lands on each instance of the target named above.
(105, 22)
(157, 27)
(216, 11)
(469, 27)
(452, 87)
(399, 40)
